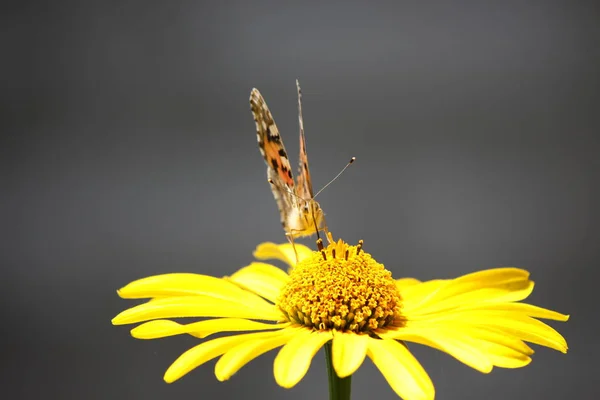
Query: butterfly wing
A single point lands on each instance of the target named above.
(304, 189)
(271, 147)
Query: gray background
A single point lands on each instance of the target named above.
(128, 149)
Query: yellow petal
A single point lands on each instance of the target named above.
(502, 350)
(507, 322)
(283, 252)
(493, 276)
(400, 369)
(484, 334)
(530, 330)
(180, 285)
(529, 310)
(483, 338)
(479, 298)
(240, 355)
(293, 360)
(510, 361)
(196, 306)
(492, 340)
(417, 294)
(263, 279)
(177, 284)
(488, 286)
(206, 351)
(164, 327)
(509, 279)
(404, 283)
(460, 347)
(348, 352)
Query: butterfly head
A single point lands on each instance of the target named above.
(313, 215)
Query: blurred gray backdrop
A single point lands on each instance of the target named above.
(128, 149)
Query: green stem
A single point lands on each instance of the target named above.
(339, 388)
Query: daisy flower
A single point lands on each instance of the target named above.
(341, 298)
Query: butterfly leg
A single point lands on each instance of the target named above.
(328, 234)
(325, 230)
(290, 237)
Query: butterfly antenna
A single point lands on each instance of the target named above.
(337, 176)
(303, 146)
(300, 119)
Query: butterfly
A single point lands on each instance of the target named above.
(300, 214)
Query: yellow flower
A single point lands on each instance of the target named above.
(341, 294)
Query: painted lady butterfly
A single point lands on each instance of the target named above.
(300, 214)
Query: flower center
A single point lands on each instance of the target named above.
(343, 288)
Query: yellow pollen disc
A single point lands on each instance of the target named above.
(343, 288)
